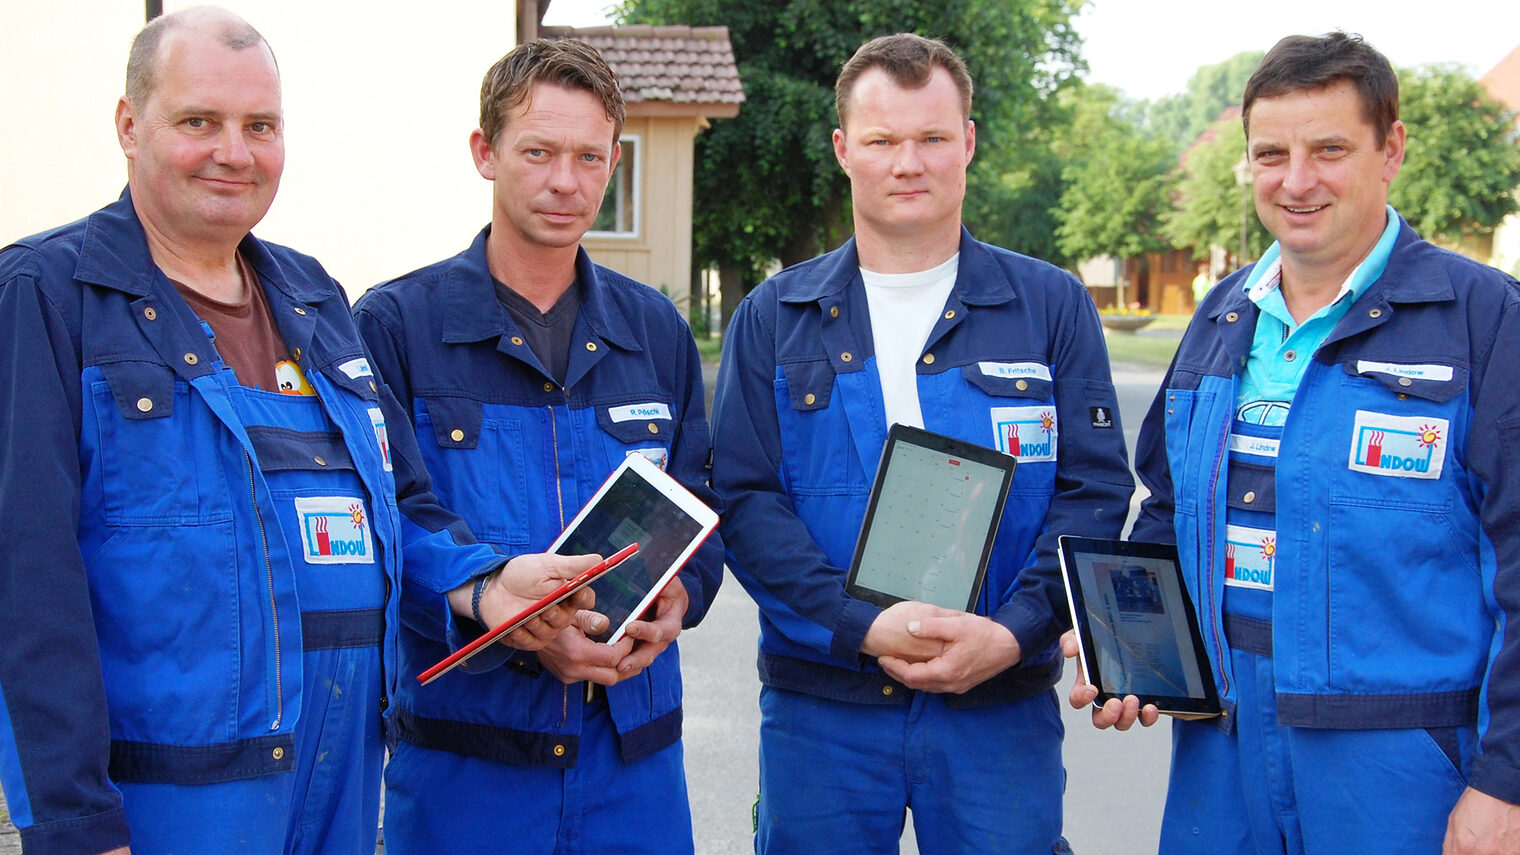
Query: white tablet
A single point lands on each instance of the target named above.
(638, 503)
(931, 522)
(1137, 629)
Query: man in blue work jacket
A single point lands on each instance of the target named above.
(204, 511)
(1328, 452)
(531, 373)
(866, 712)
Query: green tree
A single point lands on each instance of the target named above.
(1212, 206)
(1118, 183)
(1211, 90)
(768, 187)
(1462, 164)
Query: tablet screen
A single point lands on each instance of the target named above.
(638, 504)
(932, 519)
(1137, 626)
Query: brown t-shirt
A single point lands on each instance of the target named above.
(247, 338)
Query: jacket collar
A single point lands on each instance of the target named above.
(473, 313)
(114, 254)
(979, 280)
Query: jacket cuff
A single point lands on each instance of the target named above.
(99, 832)
(850, 625)
(1495, 779)
(1030, 627)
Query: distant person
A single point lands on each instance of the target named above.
(1343, 415)
(204, 509)
(531, 373)
(866, 712)
(1202, 283)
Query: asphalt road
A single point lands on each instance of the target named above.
(1115, 781)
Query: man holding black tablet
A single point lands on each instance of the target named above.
(869, 711)
(1332, 453)
(530, 374)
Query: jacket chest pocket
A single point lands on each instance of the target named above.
(817, 443)
(645, 427)
(1022, 421)
(156, 452)
(479, 460)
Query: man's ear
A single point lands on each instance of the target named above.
(126, 128)
(480, 151)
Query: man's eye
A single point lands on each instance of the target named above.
(261, 127)
(196, 122)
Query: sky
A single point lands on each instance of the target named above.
(1150, 48)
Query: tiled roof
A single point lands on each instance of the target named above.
(690, 66)
(1503, 80)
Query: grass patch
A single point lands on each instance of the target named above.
(1151, 347)
(710, 347)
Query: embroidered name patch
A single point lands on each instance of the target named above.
(639, 411)
(356, 368)
(1398, 446)
(1258, 445)
(377, 419)
(1028, 433)
(1029, 370)
(1414, 372)
(335, 530)
(1249, 557)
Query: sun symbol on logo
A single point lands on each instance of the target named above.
(356, 513)
(1429, 436)
(1268, 547)
(1047, 422)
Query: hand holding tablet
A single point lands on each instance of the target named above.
(1136, 629)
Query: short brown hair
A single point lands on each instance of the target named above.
(907, 58)
(1307, 62)
(142, 61)
(569, 63)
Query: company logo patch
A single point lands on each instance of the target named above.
(1028, 433)
(1102, 417)
(1028, 370)
(1441, 373)
(652, 410)
(335, 530)
(1398, 446)
(377, 419)
(1250, 555)
(356, 368)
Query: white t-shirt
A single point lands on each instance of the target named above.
(904, 308)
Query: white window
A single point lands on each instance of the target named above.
(619, 216)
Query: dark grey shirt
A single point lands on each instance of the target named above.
(547, 333)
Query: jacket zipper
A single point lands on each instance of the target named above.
(559, 493)
(1214, 614)
(274, 612)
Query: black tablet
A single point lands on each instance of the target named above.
(932, 518)
(1137, 627)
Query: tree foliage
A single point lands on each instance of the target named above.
(1211, 203)
(1462, 164)
(1211, 90)
(767, 184)
(1118, 183)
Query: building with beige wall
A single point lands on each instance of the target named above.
(378, 111)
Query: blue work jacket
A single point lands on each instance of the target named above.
(517, 455)
(799, 429)
(152, 628)
(1398, 512)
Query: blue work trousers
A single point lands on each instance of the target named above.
(837, 777)
(439, 801)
